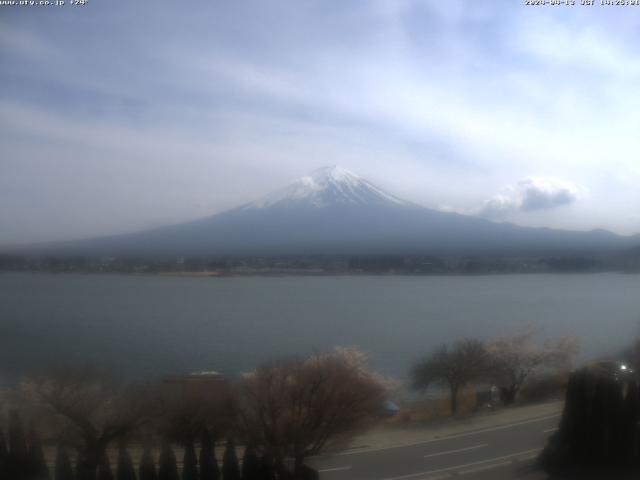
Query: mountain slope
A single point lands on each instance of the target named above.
(333, 211)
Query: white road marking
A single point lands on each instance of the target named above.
(483, 468)
(449, 437)
(336, 469)
(466, 465)
(448, 452)
(549, 430)
(521, 458)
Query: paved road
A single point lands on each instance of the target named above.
(501, 452)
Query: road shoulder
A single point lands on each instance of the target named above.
(398, 436)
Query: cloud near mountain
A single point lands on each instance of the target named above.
(531, 194)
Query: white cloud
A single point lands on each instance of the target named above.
(531, 194)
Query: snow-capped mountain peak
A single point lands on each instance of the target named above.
(328, 186)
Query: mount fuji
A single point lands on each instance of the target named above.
(335, 212)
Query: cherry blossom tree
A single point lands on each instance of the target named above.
(514, 358)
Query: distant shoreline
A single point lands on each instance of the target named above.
(310, 273)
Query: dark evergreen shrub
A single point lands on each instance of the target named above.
(267, 469)
(37, 465)
(209, 469)
(599, 435)
(104, 468)
(190, 463)
(4, 456)
(81, 472)
(63, 468)
(125, 470)
(147, 469)
(17, 459)
(230, 467)
(250, 464)
(167, 470)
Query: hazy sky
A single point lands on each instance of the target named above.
(122, 115)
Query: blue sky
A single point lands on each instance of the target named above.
(119, 116)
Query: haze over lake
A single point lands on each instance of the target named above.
(149, 325)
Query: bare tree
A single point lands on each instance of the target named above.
(516, 357)
(193, 404)
(297, 408)
(453, 367)
(90, 411)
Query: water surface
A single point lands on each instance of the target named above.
(146, 325)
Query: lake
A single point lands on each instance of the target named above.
(150, 325)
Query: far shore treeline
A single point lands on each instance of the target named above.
(327, 264)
